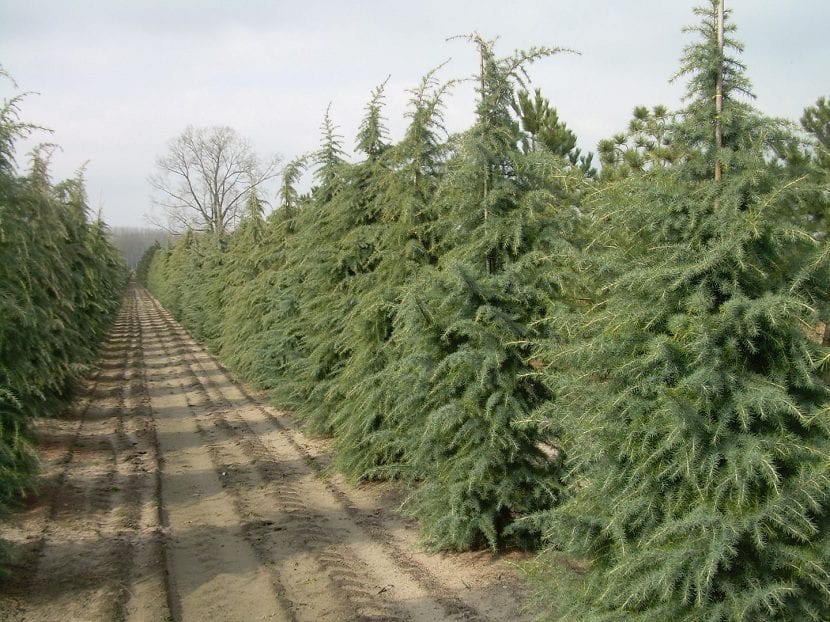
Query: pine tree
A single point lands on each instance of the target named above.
(696, 423)
(647, 143)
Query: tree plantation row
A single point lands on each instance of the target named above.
(626, 369)
(60, 284)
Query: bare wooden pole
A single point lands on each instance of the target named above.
(719, 93)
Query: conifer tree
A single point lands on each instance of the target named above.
(545, 130)
(302, 360)
(816, 211)
(96, 272)
(330, 251)
(143, 268)
(696, 423)
(354, 230)
(816, 121)
(242, 264)
(189, 279)
(465, 323)
(289, 197)
(541, 122)
(224, 263)
(206, 275)
(168, 275)
(404, 186)
(249, 315)
(157, 274)
(645, 144)
(60, 284)
(17, 458)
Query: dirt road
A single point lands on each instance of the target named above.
(173, 492)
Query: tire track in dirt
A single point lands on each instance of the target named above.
(82, 504)
(213, 574)
(371, 563)
(313, 580)
(173, 492)
(145, 591)
(82, 564)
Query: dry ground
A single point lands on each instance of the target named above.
(173, 492)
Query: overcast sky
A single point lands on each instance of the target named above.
(117, 79)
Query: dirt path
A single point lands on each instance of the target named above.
(173, 492)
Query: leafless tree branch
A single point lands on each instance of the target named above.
(202, 179)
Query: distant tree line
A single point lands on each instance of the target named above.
(627, 368)
(133, 242)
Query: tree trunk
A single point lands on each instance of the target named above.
(719, 94)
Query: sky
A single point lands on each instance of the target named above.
(116, 80)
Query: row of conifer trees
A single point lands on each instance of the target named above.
(625, 367)
(60, 284)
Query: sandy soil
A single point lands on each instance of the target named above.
(173, 492)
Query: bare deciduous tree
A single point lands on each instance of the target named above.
(202, 180)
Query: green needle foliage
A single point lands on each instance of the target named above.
(310, 303)
(627, 365)
(646, 144)
(465, 324)
(60, 285)
(168, 278)
(201, 304)
(394, 307)
(254, 327)
(354, 216)
(816, 122)
(244, 261)
(544, 130)
(403, 190)
(697, 425)
(143, 268)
